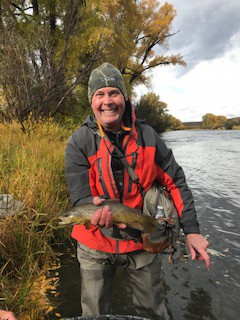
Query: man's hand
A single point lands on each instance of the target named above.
(7, 315)
(197, 245)
(103, 216)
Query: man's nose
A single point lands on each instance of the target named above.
(107, 99)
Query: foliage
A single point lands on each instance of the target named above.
(139, 29)
(233, 123)
(236, 127)
(32, 170)
(153, 111)
(175, 124)
(210, 121)
(26, 258)
(35, 70)
(48, 49)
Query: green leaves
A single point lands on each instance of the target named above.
(153, 111)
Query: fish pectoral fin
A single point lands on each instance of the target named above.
(87, 224)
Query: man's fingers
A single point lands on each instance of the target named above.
(98, 201)
(102, 217)
(121, 225)
(193, 253)
(202, 257)
(106, 217)
(109, 221)
(206, 258)
(197, 245)
(96, 217)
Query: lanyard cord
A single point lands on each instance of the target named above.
(122, 157)
(119, 153)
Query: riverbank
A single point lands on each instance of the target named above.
(32, 171)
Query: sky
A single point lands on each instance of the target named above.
(208, 38)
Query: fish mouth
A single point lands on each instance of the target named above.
(64, 221)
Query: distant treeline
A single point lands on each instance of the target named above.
(213, 122)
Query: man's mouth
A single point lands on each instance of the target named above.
(108, 111)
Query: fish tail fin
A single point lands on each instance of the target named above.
(150, 228)
(151, 225)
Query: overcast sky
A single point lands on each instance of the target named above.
(209, 41)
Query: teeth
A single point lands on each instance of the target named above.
(109, 111)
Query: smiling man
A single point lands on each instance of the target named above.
(108, 106)
(107, 95)
(95, 171)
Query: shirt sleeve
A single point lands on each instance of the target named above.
(77, 168)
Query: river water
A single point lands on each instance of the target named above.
(211, 162)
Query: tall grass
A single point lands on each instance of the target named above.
(32, 170)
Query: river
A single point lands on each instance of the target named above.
(211, 162)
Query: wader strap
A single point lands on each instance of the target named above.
(117, 247)
(117, 252)
(129, 169)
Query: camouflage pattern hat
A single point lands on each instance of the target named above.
(105, 76)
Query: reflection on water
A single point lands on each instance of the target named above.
(211, 161)
(201, 310)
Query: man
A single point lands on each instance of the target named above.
(94, 171)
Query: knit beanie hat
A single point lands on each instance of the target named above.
(105, 76)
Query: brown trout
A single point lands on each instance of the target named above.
(133, 218)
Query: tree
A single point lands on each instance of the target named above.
(210, 121)
(175, 124)
(48, 49)
(137, 29)
(35, 72)
(153, 111)
(233, 123)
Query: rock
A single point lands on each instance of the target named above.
(9, 206)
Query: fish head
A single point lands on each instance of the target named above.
(66, 220)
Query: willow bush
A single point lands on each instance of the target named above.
(32, 171)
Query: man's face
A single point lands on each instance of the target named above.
(108, 106)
